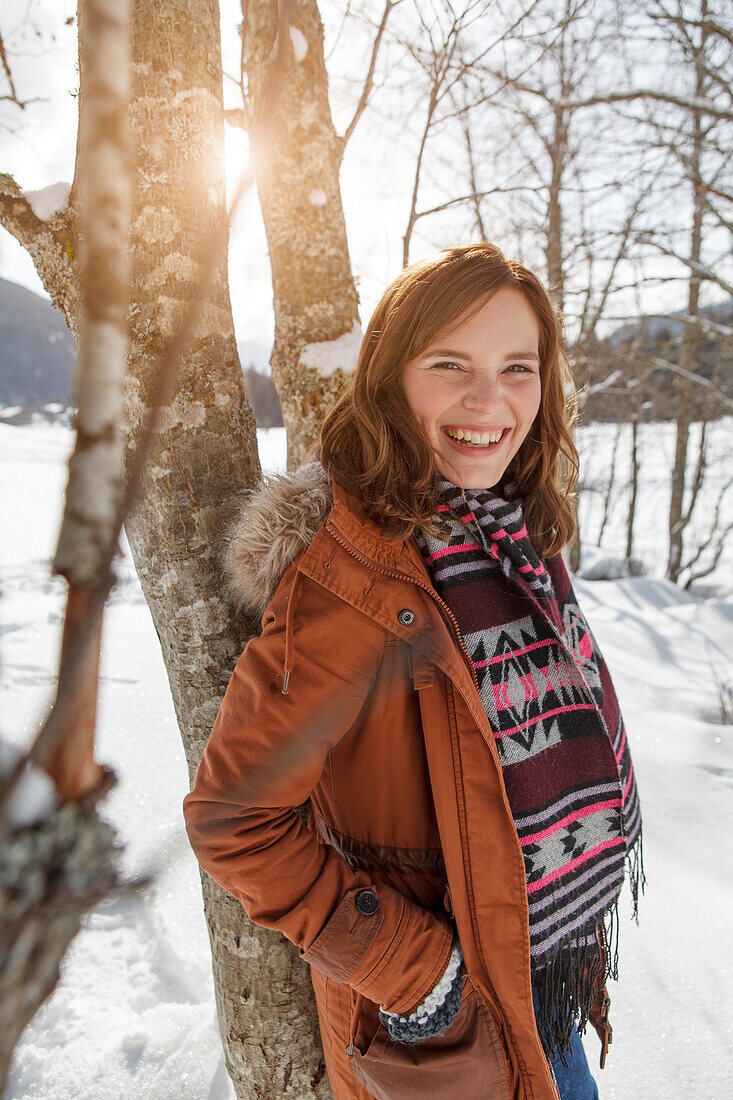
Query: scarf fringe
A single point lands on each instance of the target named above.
(567, 984)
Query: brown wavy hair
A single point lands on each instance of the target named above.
(374, 446)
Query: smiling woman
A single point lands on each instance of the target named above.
(478, 398)
(426, 677)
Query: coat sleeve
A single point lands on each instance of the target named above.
(265, 755)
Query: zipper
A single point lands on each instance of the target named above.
(411, 580)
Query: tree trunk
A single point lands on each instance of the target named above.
(554, 237)
(206, 450)
(633, 487)
(299, 155)
(59, 859)
(205, 455)
(690, 337)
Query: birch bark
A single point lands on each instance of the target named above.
(57, 864)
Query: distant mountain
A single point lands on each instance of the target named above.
(37, 351)
(38, 357)
(255, 359)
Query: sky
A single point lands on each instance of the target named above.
(37, 148)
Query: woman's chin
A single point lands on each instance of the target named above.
(472, 473)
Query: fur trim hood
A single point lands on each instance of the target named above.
(276, 522)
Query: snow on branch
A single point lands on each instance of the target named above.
(327, 356)
(18, 213)
(49, 201)
(300, 44)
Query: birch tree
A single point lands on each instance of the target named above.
(58, 856)
(204, 455)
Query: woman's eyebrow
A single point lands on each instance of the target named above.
(452, 353)
(446, 352)
(524, 355)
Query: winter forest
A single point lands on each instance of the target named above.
(197, 188)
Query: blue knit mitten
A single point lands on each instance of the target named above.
(436, 1012)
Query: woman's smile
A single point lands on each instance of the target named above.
(482, 439)
(476, 390)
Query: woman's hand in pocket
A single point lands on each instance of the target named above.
(436, 1012)
(466, 1057)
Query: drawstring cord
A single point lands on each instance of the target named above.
(356, 1010)
(352, 1028)
(289, 627)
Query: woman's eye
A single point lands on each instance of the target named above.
(447, 366)
(520, 367)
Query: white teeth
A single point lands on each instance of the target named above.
(476, 439)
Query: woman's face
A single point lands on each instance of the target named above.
(476, 390)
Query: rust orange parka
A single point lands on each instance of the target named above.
(359, 694)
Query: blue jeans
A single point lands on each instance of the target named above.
(574, 1081)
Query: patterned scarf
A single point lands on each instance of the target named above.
(565, 757)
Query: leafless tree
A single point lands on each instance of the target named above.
(298, 184)
(608, 493)
(694, 135)
(58, 864)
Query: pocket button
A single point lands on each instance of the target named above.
(367, 902)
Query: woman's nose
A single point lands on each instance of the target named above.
(485, 394)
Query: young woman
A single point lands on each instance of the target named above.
(426, 677)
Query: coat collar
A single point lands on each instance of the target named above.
(353, 523)
(298, 515)
(277, 521)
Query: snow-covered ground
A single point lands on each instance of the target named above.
(133, 1016)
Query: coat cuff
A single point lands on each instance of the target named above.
(437, 1011)
(387, 948)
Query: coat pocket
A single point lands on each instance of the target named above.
(465, 1062)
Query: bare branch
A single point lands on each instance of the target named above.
(698, 476)
(683, 23)
(692, 103)
(700, 270)
(369, 79)
(52, 244)
(13, 97)
(665, 364)
(705, 543)
(589, 327)
(473, 179)
(471, 197)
